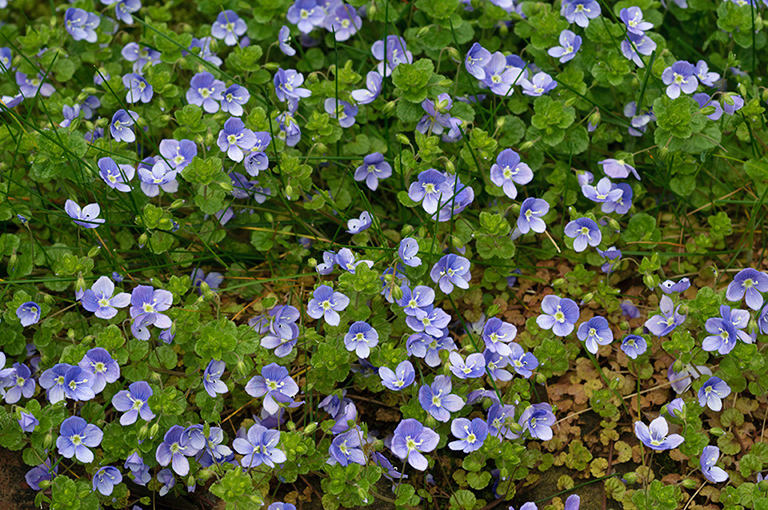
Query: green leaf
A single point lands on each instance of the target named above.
(204, 171)
(217, 338)
(462, 499)
(412, 79)
(641, 226)
(437, 9)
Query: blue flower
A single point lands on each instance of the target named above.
(633, 19)
(30, 87)
(288, 85)
(234, 98)
(569, 46)
(416, 302)
(360, 338)
(101, 300)
(522, 362)
(214, 452)
(284, 40)
(346, 448)
(343, 21)
(173, 450)
(139, 89)
(40, 473)
(500, 77)
(259, 447)
(681, 381)
(656, 436)
(477, 58)
(105, 479)
(166, 477)
(81, 24)
(560, 315)
(707, 462)
(52, 380)
(424, 346)
(70, 113)
(429, 188)
(235, 138)
(114, 175)
(155, 175)
(594, 332)
(371, 91)
(329, 262)
(411, 440)
(76, 436)
(357, 225)
(676, 408)
(509, 170)
(531, 212)
(326, 303)
(432, 322)
(78, 384)
(712, 392)
(341, 110)
(472, 367)
(680, 76)
(669, 287)
(140, 56)
(306, 15)
(436, 118)
(634, 46)
(497, 334)
(275, 385)
(408, 251)
(86, 217)
(28, 313)
(705, 77)
(538, 420)
(198, 277)
(212, 378)
(604, 191)
(495, 363)
(228, 26)
(134, 402)
(399, 379)
(28, 422)
(751, 283)
(633, 345)
(346, 260)
(102, 366)
(470, 435)
(139, 470)
(205, 91)
(146, 305)
(124, 9)
(391, 52)
(664, 324)
(18, 381)
(204, 43)
(580, 11)
(584, 232)
(451, 270)
(437, 400)
(501, 420)
(541, 83)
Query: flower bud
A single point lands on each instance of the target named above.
(321, 148)
(44, 484)
(570, 101)
(402, 139)
(630, 477)
(288, 191)
(454, 54)
(397, 293)
(500, 122)
(80, 284)
(587, 298)
(291, 426)
(445, 83)
(764, 95)
(708, 110)
(422, 31)
(407, 230)
(540, 378)
(677, 366)
(450, 168)
(594, 119)
(728, 99)
(271, 66)
(389, 107)
(165, 224)
(48, 440)
(143, 239)
(241, 368)
(310, 428)
(615, 383)
(762, 485)
(226, 186)
(177, 203)
(154, 429)
(71, 334)
(312, 263)
(717, 431)
(688, 483)
(614, 224)
(83, 494)
(204, 474)
(526, 145)
(143, 431)
(558, 282)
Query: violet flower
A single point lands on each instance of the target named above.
(408, 252)
(541, 83)
(680, 76)
(114, 175)
(134, 403)
(633, 19)
(76, 436)
(28, 313)
(371, 91)
(594, 332)
(100, 300)
(618, 168)
(30, 87)
(139, 89)
(470, 435)
(538, 420)
(306, 15)
(275, 385)
(343, 21)
(27, 422)
(373, 168)
(86, 217)
(531, 212)
(178, 153)
(657, 437)
(234, 138)
(158, 175)
(104, 369)
(712, 393)
(412, 439)
(705, 77)
(81, 24)
(664, 324)
(707, 462)
(509, 170)
(751, 283)
(18, 382)
(569, 46)
(560, 315)
(205, 91)
(635, 45)
(437, 399)
(173, 450)
(477, 58)
(398, 379)
(584, 232)
(346, 448)
(360, 338)
(234, 98)
(105, 479)
(229, 27)
(284, 40)
(451, 270)
(391, 52)
(580, 11)
(124, 9)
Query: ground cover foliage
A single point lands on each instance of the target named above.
(413, 254)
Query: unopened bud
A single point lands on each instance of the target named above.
(312, 263)
(728, 99)
(454, 54)
(271, 66)
(209, 139)
(397, 293)
(445, 83)
(558, 282)
(540, 378)
(500, 122)
(48, 440)
(570, 101)
(708, 110)
(165, 224)
(677, 366)
(288, 191)
(226, 186)
(423, 31)
(407, 230)
(143, 431)
(44, 484)
(204, 474)
(177, 203)
(614, 224)
(241, 368)
(143, 239)
(630, 477)
(310, 428)
(594, 119)
(291, 426)
(450, 168)
(321, 148)
(389, 107)
(717, 431)
(154, 429)
(615, 383)
(587, 298)
(83, 494)
(689, 483)
(764, 94)
(402, 139)
(526, 145)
